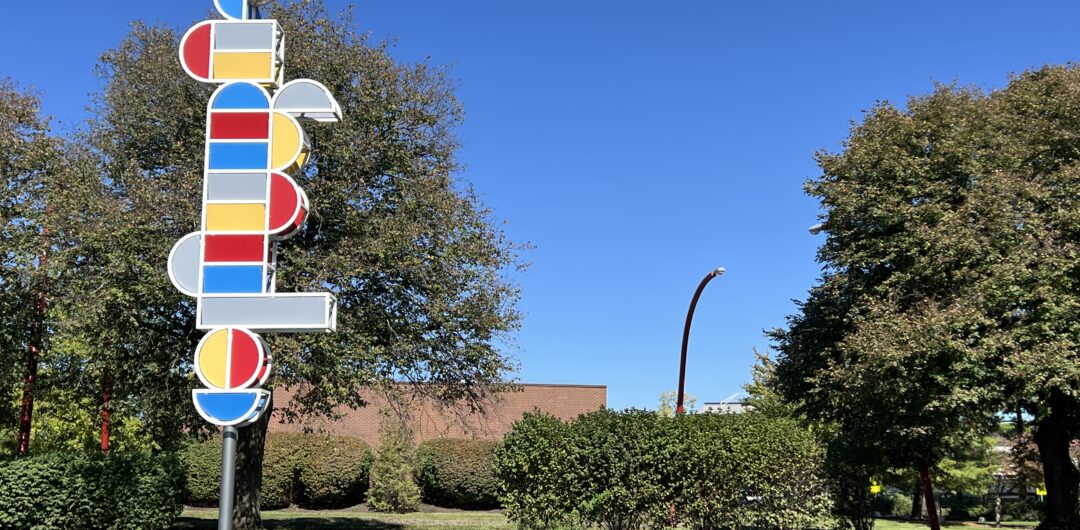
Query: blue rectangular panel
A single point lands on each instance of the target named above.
(239, 155)
(232, 279)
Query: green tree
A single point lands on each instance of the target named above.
(420, 270)
(668, 403)
(393, 483)
(949, 288)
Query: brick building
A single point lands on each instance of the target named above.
(562, 401)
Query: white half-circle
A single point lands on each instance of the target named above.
(307, 99)
(184, 259)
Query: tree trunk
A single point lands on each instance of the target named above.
(1062, 477)
(928, 495)
(250, 442)
(916, 501)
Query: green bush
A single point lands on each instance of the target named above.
(284, 453)
(393, 486)
(93, 491)
(749, 470)
(1029, 509)
(626, 470)
(334, 472)
(967, 508)
(623, 459)
(901, 505)
(891, 504)
(457, 473)
(312, 470)
(202, 461)
(536, 481)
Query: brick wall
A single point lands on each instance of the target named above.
(562, 401)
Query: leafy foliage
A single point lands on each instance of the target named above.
(533, 467)
(393, 486)
(626, 470)
(77, 490)
(334, 472)
(949, 286)
(202, 463)
(283, 456)
(457, 473)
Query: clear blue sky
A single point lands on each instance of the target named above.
(638, 144)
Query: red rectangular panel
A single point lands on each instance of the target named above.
(239, 125)
(221, 248)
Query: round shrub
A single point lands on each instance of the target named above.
(202, 461)
(891, 504)
(109, 492)
(457, 473)
(334, 472)
(282, 457)
(749, 470)
(536, 481)
(622, 458)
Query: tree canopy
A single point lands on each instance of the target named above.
(949, 277)
(423, 274)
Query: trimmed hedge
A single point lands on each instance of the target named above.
(334, 472)
(92, 491)
(624, 471)
(202, 461)
(283, 455)
(458, 473)
(313, 471)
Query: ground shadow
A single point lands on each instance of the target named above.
(312, 523)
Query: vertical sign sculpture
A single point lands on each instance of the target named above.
(254, 146)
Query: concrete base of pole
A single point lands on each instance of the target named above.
(228, 478)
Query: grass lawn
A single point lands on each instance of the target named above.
(295, 519)
(882, 524)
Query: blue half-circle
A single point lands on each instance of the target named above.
(240, 96)
(233, 9)
(227, 407)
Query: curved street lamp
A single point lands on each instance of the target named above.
(686, 334)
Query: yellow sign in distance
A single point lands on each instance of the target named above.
(1040, 491)
(875, 488)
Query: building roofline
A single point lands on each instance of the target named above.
(558, 385)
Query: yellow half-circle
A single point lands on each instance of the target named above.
(287, 141)
(214, 358)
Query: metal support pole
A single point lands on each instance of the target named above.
(228, 478)
(686, 336)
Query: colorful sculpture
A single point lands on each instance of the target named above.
(254, 145)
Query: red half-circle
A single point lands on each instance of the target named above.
(245, 360)
(195, 50)
(287, 205)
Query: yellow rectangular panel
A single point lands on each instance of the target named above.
(252, 66)
(235, 217)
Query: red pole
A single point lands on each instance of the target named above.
(106, 384)
(26, 414)
(37, 337)
(686, 335)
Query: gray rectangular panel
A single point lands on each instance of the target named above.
(295, 312)
(236, 186)
(244, 36)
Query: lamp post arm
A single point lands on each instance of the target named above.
(686, 336)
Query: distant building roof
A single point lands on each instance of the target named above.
(726, 407)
